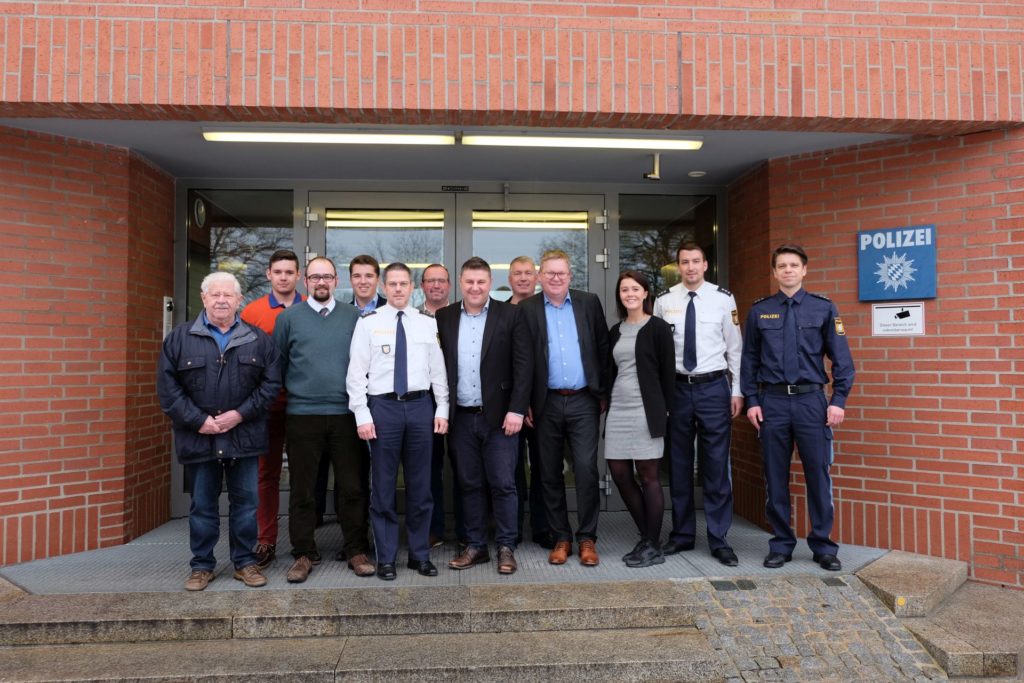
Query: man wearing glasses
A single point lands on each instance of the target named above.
(572, 364)
(314, 341)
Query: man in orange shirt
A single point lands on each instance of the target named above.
(283, 275)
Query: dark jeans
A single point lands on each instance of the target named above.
(486, 461)
(573, 420)
(205, 480)
(311, 437)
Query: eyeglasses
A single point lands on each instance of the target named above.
(318, 278)
(435, 281)
(555, 276)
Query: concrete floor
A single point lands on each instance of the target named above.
(158, 561)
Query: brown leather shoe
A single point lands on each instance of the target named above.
(469, 557)
(506, 561)
(199, 579)
(588, 554)
(265, 554)
(300, 569)
(361, 565)
(251, 576)
(561, 552)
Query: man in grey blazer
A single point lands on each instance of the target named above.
(571, 374)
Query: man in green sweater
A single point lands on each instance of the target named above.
(313, 338)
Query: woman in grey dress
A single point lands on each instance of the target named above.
(644, 363)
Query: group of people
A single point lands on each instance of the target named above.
(375, 384)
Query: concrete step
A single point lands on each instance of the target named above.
(978, 631)
(913, 585)
(678, 654)
(970, 629)
(260, 613)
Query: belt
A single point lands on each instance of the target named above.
(473, 410)
(700, 379)
(567, 392)
(408, 396)
(791, 389)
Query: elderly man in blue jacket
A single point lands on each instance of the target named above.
(217, 376)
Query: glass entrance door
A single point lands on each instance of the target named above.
(423, 228)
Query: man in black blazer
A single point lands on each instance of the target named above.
(486, 353)
(570, 391)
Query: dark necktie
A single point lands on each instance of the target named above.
(401, 359)
(790, 344)
(324, 311)
(690, 335)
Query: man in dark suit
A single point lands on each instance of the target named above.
(487, 356)
(570, 391)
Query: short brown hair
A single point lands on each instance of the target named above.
(447, 275)
(690, 245)
(475, 263)
(365, 260)
(789, 249)
(284, 255)
(392, 267)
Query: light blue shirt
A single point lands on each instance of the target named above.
(471, 337)
(221, 337)
(565, 362)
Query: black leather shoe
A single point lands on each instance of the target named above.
(424, 567)
(776, 560)
(726, 556)
(386, 572)
(340, 556)
(829, 562)
(673, 547)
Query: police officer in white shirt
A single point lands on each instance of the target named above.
(707, 397)
(395, 362)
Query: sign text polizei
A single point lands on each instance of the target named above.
(896, 263)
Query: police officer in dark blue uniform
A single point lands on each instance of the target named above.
(783, 377)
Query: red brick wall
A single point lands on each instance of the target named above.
(85, 230)
(900, 66)
(929, 459)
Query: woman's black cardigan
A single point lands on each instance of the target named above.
(655, 369)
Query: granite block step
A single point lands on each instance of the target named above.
(678, 654)
(913, 585)
(256, 614)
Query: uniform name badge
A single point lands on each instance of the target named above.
(386, 348)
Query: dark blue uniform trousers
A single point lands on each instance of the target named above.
(704, 410)
(404, 433)
(800, 418)
(531, 494)
(485, 463)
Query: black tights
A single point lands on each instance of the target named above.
(644, 500)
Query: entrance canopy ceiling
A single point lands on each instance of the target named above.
(179, 148)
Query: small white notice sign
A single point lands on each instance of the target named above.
(897, 320)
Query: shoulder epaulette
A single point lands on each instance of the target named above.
(368, 314)
(820, 296)
(661, 294)
(725, 291)
(763, 298)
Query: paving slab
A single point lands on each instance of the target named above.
(913, 585)
(648, 604)
(608, 655)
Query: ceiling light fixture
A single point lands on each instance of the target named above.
(648, 143)
(328, 138)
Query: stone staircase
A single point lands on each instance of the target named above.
(596, 632)
(972, 630)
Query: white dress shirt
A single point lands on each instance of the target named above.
(371, 368)
(719, 343)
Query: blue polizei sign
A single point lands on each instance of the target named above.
(896, 263)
